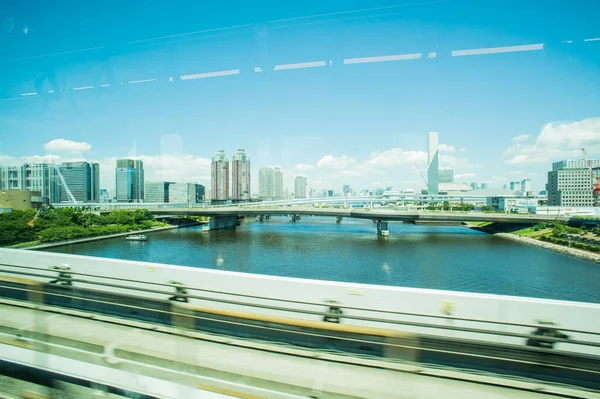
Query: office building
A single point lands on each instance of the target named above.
(575, 164)
(347, 190)
(571, 184)
(82, 180)
(330, 193)
(220, 177)
(484, 186)
(278, 193)
(129, 176)
(526, 186)
(432, 164)
(200, 192)
(11, 178)
(184, 193)
(446, 175)
(157, 191)
(42, 177)
(475, 186)
(105, 195)
(240, 175)
(515, 185)
(300, 187)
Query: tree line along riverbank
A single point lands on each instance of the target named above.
(30, 227)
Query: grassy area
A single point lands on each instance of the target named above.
(24, 244)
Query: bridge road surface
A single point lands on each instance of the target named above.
(209, 364)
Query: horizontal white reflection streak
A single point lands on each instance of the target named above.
(82, 88)
(210, 74)
(29, 94)
(383, 58)
(141, 81)
(105, 85)
(592, 39)
(299, 65)
(496, 50)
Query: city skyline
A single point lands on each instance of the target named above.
(345, 99)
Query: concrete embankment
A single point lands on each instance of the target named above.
(98, 238)
(574, 252)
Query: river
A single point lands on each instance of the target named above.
(438, 257)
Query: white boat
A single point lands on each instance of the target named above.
(385, 233)
(137, 237)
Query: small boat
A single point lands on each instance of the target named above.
(385, 233)
(137, 237)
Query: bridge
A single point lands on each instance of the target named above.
(180, 332)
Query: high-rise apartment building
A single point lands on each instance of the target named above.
(446, 175)
(570, 183)
(266, 183)
(157, 191)
(129, 176)
(240, 175)
(270, 183)
(432, 164)
(300, 187)
(82, 180)
(278, 193)
(219, 177)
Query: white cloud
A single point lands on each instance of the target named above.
(521, 138)
(397, 156)
(63, 145)
(456, 162)
(514, 172)
(558, 141)
(446, 148)
(331, 162)
(463, 149)
(303, 166)
(467, 175)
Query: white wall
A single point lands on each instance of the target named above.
(574, 315)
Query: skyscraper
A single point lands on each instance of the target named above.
(300, 187)
(83, 181)
(220, 176)
(240, 175)
(266, 183)
(346, 189)
(432, 162)
(526, 186)
(277, 183)
(270, 183)
(129, 176)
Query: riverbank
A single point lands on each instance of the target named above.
(574, 252)
(98, 238)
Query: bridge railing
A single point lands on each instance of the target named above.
(537, 338)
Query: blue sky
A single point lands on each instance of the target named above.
(129, 79)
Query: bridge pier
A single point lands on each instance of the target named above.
(223, 222)
(338, 219)
(382, 228)
(295, 218)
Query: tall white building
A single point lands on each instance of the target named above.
(432, 164)
(219, 189)
(570, 183)
(240, 175)
(11, 178)
(526, 186)
(300, 187)
(270, 183)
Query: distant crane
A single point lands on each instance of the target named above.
(64, 183)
